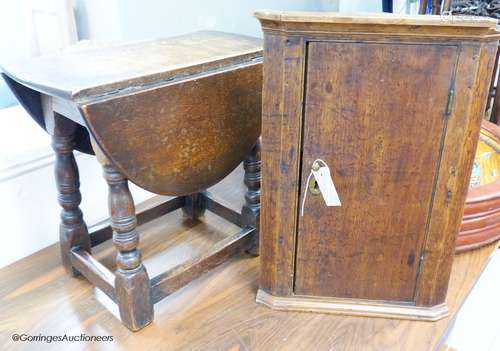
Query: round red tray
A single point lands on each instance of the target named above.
(481, 220)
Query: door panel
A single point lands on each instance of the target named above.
(376, 114)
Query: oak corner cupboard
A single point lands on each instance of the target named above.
(393, 106)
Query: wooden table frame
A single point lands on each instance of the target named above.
(100, 101)
(130, 286)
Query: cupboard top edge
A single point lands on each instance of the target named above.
(380, 23)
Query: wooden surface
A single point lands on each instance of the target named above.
(108, 69)
(399, 142)
(377, 234)
(392, 26)
(375, 18)
(216, 312)
(472, 79)
(352, 307)
(182, 137)
(281, 120)
(173, 115)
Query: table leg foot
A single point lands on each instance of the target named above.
(133, 292)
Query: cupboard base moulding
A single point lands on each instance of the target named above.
(352, 307)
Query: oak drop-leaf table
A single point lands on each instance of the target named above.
(174, 116)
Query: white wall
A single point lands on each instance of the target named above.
(98, 20)
(14, 43)
(133, 19)
(360, 6)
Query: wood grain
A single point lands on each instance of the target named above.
(378, 232)
(352, 307)
(199, 91)
(72, 229)
(281, 119)
(393, 104)
(375, 19)
(175, 116)
(108, 69)
(167, 283)
(473, 75)
(132, 284)
(182, 137)
(390, 26)
(94, 271)
(215, 312)
(150, 210)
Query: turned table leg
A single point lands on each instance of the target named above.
(73, 231)
(251, 210)
(132, 285)
(194, 206)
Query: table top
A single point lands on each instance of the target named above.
(86, 72)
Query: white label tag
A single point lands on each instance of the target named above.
(326, 186)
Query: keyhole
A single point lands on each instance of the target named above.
(313, 187)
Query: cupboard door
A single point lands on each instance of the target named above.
(376, 114)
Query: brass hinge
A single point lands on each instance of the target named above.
(449, 106)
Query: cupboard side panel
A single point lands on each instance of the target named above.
(281, 128)
(472, 81)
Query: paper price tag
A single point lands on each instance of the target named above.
(326, 186)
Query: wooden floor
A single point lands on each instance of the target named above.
(215, 312)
